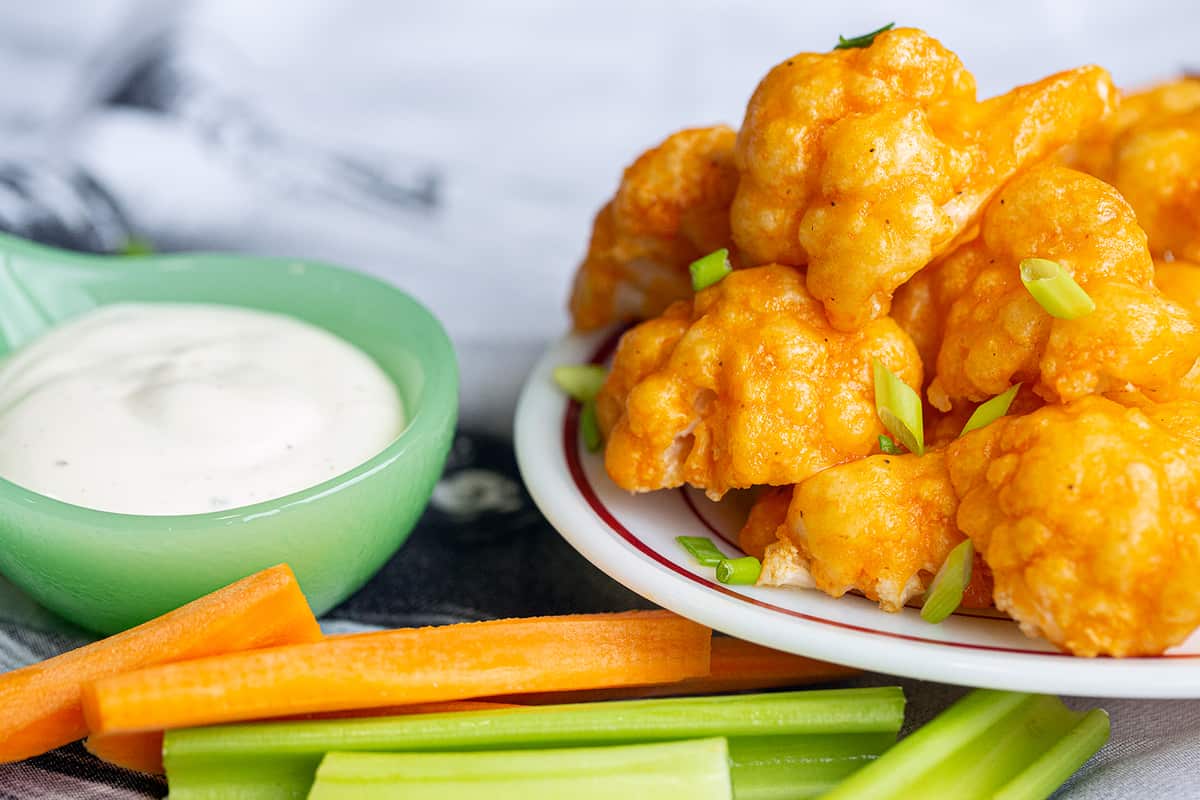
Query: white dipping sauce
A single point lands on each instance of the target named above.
(186, 408)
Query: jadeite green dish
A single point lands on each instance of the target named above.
(107, 572)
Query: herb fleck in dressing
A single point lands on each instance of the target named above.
(186, 408)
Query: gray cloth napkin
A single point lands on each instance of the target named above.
(458, 149)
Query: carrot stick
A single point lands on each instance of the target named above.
(737, 666)
(422, 665)
(142, 752)
(40, 704)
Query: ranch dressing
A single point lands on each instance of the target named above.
(184, 408)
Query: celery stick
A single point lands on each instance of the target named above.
(689, 770)
(1052, 769)
(221, 761)
(977, 747)
(798, 767)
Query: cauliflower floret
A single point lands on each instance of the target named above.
(745, 385)
(1150, 150)
(1180, 281)
(1089, 516)
(880, 526)
(920, 306)
(866, 163)
(1136, 345)
(1156, 166)
(1092, 152)
(762, 525)
(671, 208)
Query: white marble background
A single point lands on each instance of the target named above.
(525, 111)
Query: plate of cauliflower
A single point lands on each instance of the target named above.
(935, 411)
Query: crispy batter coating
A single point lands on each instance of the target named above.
(671, 208)
(1092, 152)
(1180, 281)
(1150, 150)
(1137, 345)
(1156, 166)
(880, 526)
(867, 163)
(921, 305)
(746, 385)
(1089, 516)
(762, 525)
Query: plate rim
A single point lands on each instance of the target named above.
(542, 413)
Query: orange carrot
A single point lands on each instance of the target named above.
(423, 665)
(142, 752)
(40, 704)
(737, 666)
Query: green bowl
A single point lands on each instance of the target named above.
(107, 572)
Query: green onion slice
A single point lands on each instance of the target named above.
(742, 571)
(702, 549)
(888, 447)
(710, 269)
(581, 382)
(899, 409)
(946, 592)
(990, 411)
(589, 427)
(865, 40)
(1055, 289)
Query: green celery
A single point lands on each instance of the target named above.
(984, 744)
(221, 761)
(799, 767)
(1041, 778)
(688, 770)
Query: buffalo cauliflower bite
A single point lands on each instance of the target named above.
(1180, 281)
(866, 163)
(762, 525)
(881, 526)
(747, 384)
(671, 208)
(1136, 345)
(1092, 152)
(1150, 150)
(1156, 166)
(1089, 516)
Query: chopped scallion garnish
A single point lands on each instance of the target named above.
(581, 382)
(946, 592)
(899, 409)
(702, 549)
(741, 571)
(888, 447)
(866, 40)
(710, 269)
(992, 410)
(589, 427)
(1055, 289)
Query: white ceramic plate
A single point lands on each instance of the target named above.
(632, 538)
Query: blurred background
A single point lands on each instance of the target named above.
(458, 149)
